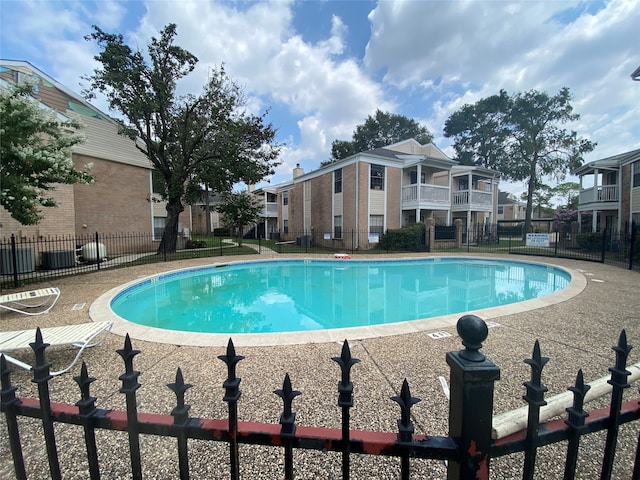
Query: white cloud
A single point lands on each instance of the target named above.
(429, 57)
(272, 62)
(477, 48)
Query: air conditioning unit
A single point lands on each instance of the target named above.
(25, 260)
(94, 252)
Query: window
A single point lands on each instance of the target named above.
(636, 173)
(413, 177)
(158, 227)
(377, 177)
(337, 181)
(157, 183)
(285, 198)
(376, 224)
(612, 178)
(285, 226)
(500, 210)
(337, 226)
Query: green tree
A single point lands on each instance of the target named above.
(239, 210)
(524, 137)
(480, 131)
(542, 196)
(568, 193)
(189, 139)
(35, 154)
(379, 131)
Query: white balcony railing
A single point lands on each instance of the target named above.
(473, 197)
(270, 210)
(600, 193)
(427, 194)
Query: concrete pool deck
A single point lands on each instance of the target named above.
(575, 333)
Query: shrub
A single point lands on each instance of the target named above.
(510, 230)
(221, 232)
(590, 241)
(195, 244)
(411, 237)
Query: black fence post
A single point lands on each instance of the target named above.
(129, 386)
(287, 424)
(14, 260)
(9, 404)
(472, 378)
(41, 376)
(87, 410)
(181, 420)
(631, 247)
(604, 245)
(345, 401)
(232, 396)
(98, 259)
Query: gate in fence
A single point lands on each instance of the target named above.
(468, 448)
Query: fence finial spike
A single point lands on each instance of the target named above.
(127, 353)
(346, 361)
(287, 393)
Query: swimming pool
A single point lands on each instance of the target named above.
(293, 297)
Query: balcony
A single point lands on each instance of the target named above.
(270, 210)
(472, 200)
(600, 194)
(425, 196)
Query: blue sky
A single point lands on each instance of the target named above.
(322, 67)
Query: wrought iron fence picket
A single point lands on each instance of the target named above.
(468, 448)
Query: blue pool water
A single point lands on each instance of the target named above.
(303, 295)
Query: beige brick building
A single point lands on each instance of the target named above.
(355, 200)
(119, 200)
(610, 192)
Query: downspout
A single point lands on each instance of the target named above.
(357, 189)
(151, 203)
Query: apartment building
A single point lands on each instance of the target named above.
(610, 191)
(355, 200)
(120, 200)
(510, 208)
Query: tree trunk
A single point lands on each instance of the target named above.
(207, 210)
(170, 235)
(529, 210)
(240, 234)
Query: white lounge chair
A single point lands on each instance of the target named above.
(80, 336)
(33, 302)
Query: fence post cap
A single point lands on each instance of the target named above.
(473, 331)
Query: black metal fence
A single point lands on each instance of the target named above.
(608, 246)
(37, 259)
(468, 448)
(29, 260)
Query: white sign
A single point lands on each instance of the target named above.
(538, 239)
(374, 237)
